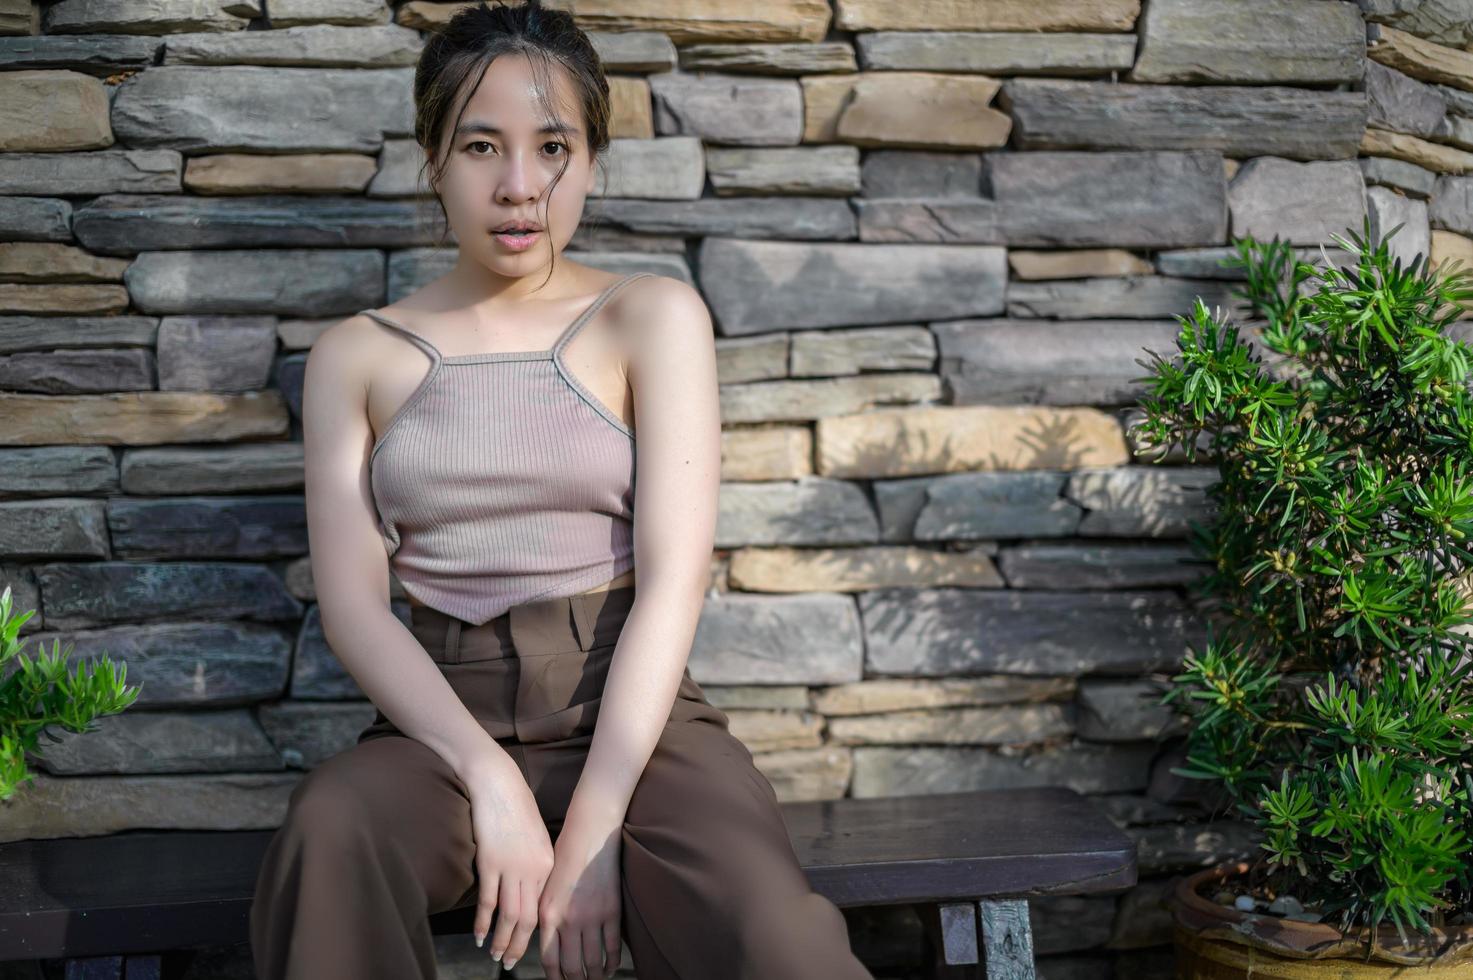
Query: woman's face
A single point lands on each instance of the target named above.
(502, 160)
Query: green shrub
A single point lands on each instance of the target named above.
(40, 693)
(1332, 701)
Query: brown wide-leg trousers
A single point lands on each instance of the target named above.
(379, 835)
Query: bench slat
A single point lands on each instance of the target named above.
(143, 892)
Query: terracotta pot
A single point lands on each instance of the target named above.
(1218, 942)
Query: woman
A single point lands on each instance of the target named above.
(540, 749)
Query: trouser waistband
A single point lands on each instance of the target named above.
(566, 624)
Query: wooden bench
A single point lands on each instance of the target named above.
(967, 862)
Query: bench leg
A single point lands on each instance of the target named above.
(143, 966)
(1005, 950)
(94, 968)
(1007, 938)
(951, 940)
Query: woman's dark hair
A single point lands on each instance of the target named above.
(455, 59)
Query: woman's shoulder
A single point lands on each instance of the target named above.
(654, 303)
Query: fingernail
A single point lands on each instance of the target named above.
(496, 954)
(480, 939)
(509, 964)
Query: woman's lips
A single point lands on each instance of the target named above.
(516, 243)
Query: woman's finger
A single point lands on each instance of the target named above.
(613, 946)
(570, 949)
(485, 905)
(593, 950)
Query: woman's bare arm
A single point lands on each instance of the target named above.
(672, 369)
(350, 568)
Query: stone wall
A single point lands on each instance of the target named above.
(935, 238)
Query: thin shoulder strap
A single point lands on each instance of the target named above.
(572, 329)
(413, 335)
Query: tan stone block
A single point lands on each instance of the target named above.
(299, 335)
(925, 110)
(51, 806)
(1413, 149)
(954, 439)
(853, 569)
(1419, 58)
(776, 730)
(430, 15)
(294, 173)
(1079, 263)
(141, 418)
(758, 358)
(48, 110)
(20, 17)
(56, 262)
(1449, 246)
(683, 21)
(690, 21)
(631, 115)
(768, 453)
(824, 100)
(64, 298)
(987, 15)
(1000, 725)
(766, 696)
(905, 693)
(807, 774)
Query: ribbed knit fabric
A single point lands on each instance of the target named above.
(502, 479)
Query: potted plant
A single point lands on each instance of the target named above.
(1331, 704)
(37, 694)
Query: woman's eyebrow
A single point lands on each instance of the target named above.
(477, 126)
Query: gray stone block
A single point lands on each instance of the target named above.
(973, 506)
(728, 108)
(56, 527)
(208, 353)
(1135, 297)
(1011, 361)
(250, 108)
(1216, 41)
(288, 281)
(126, 223)
(1055, 53)
(227, 740)
(1301, 203)
(75, 372)
(810, 511)
(1238, 120)
(186, 664)
(80, 594)
(101, 55)
(1092, 565)
(799, 639)
(734, 217)
(1083, 767)
(91, 172)
(268, 526)
(946, 632)
(755, 287)
(50, 333)
(1143, 501)
(51, 471)
(35, 219)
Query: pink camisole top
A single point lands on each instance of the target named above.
(502, 479)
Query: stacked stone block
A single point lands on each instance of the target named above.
(936, 239)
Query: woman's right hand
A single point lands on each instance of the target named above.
(514, 856)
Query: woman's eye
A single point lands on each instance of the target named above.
(472, 146)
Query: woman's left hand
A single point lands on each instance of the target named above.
(579, 911)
